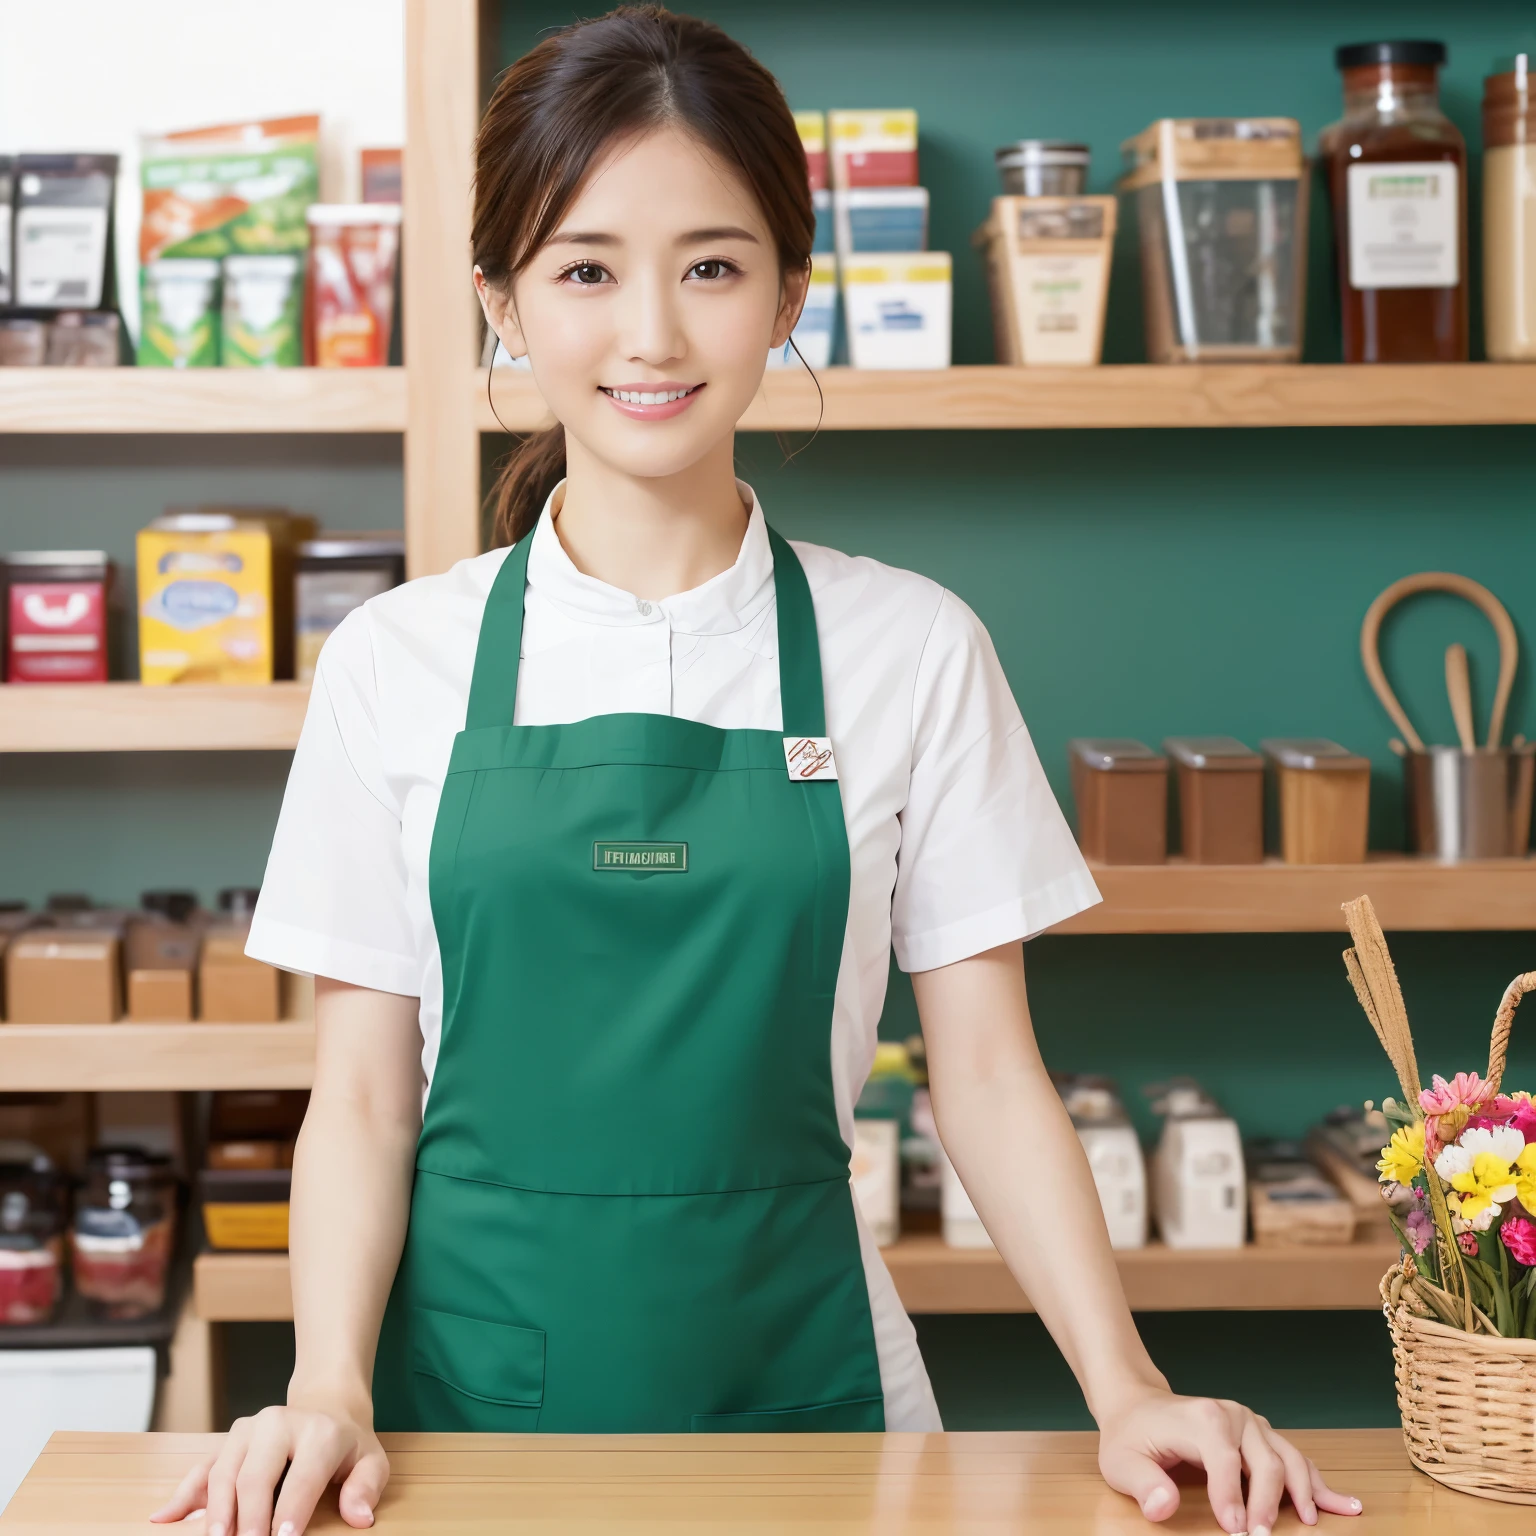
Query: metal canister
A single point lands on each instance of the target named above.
(1043, 168)
(1469, 805)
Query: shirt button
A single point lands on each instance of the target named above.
(645, 609)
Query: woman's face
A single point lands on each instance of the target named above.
(649, 315)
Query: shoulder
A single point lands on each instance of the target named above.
(876, 598)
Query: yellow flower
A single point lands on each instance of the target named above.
(1525, 1178)
(1403, 1160)
(1485, 1187)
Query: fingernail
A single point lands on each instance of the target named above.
(1259, 1530)
(285, 1529)
(215, 1529)
(1356, 1505)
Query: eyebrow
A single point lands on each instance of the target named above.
(692, 237)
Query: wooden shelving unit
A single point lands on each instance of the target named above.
(930, 1277)
(128, 717)
(1121, 395)
(1408, 893)
(202, 400)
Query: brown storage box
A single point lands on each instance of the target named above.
(1325, 801)
(1221, 799)
(63, 976)
(161, 961)
(233, 988)
(1121, 791)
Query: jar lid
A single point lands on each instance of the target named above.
(1116, 754)
(1214, 752)
(1311, 753)
(1416, 51)
(1043, 152)
(239, 900)
(176, 905)
(57, 557)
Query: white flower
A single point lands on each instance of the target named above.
(1454, 1160)
(1504, 1141)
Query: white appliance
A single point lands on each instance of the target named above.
(1199, 1188)
(877, 1177)
(1114, 1156)
(42, 1390)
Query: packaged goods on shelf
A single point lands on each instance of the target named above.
(160, 955)
(866, 220)
(898, 310)
(1198, 1187)
(179, 313)
(812, 128)
(1048, 261)
(1043, 168)
(1114, 1155)
(877, 1177)
(245, 1209)
(33, 1215)
(233, 988)
(1221, 799)
(7, 202)
(215, 591)
(56, 615)
(818, 320)
(1324, 795)
(58, 975)
(351, 283)
(1397, 174)
(873, 149)
(922, 1157)
(336, 574)
(62, 231)
(124, 1232)
(1290, 1202)
(1509, 214)
(1346, 1146)
(84, 338)
(1221, 208)
(1120, 788)
(262, 316)
(228, 190)
(381, 175)
(244, 1188)
(23, 341)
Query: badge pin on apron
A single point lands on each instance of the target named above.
(809, 758)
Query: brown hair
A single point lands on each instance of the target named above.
(551, 115)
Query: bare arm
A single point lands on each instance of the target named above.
(352, 1174)
(1013, 1145)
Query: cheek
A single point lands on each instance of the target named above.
(565, 334)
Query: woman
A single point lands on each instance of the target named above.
(623, 820)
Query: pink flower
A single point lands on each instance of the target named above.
(1449, 1105)
(1468, 1241)
(1520, 1238)
(1524, 1119)
(1420, 1226)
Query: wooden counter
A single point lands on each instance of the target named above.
(1042, 1484)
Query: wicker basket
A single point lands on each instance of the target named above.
(1468, 1401)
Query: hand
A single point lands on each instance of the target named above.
(322, 1447)
(1157, 1431)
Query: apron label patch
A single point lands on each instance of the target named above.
(809, 757)
(641, 858)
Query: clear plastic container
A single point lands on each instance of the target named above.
(1221, 205)
(32, 1204)
(124, 1232)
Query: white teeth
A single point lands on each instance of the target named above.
(648, 397)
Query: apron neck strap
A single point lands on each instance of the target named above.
(493, 690)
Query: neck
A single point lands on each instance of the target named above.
(651, 536)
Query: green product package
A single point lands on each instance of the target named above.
(180, 314)
(263, 312)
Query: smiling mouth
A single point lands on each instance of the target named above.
(650, 396)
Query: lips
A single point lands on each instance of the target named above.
(651, 402)
(638, 396)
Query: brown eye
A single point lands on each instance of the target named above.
(588, 274)
(708, 271)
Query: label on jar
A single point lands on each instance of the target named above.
(1404, 225)
(58, 632)
(60, 256)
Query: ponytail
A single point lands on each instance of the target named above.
(530, 472)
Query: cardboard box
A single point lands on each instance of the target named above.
(161, 962)
(898, 310)
(64, 976)
(874, 149)
(233, 988)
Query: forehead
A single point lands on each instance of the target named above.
(662, 183)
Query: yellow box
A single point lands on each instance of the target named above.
(205, 600)
(260, 1226)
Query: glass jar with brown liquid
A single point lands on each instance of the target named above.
(1397, 177)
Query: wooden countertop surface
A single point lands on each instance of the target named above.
(1042, 1484)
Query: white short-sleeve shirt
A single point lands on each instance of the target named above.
(957, 844)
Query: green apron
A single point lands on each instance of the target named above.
(632, 1209)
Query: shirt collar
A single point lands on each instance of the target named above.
(724, 604)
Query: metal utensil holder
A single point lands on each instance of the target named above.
(1469, 805)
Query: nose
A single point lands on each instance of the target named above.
(650, 320)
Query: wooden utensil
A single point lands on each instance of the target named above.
(1458, 586)
(1458, 684)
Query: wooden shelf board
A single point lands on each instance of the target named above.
(1272, 897)
(177, 400)
(128, 717)
(930, 1277)
(1119, 395)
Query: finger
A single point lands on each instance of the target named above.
(1328, 1501)
(1215, 1447)
(316, 1457)
(263, 1465)
(191, 1493)
(1266, 1478)
(221, 1479)
(1137, 1474)
(364, 1487)
(1298, 1474)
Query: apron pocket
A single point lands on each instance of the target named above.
(477, 1375)
(858, 1413)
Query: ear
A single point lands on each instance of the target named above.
(792, 291)
(500, 314)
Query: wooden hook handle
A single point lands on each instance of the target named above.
(1458, 586)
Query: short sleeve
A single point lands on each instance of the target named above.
(333, 902)
(986, 856)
